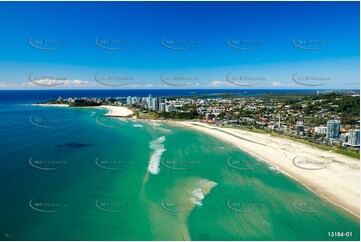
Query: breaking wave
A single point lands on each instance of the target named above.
(205, 186)
(154, 124)
(274, 169)
(158, 147)
(163, 129)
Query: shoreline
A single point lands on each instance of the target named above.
(116, 111)
(337, 182)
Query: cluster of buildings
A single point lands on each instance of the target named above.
(269, 113)
(334, 133)
(152, 103)
(302, 118)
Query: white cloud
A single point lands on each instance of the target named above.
(50, 83)
(140, 85)
(280, 84)
(78, 83)
(14, 85)
(219, 84)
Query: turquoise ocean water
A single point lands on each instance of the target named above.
(72, 174)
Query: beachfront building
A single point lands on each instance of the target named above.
(168, 108)
(321, 130)
(149, 101)
(209, 116)
(162, 107)
(135, 100)
(333, 129)
(144, 102)
(132, 100)
(129, 101)
(354, 137)
(344, 138)
(60, 100)
(155, 105)
(71, 100)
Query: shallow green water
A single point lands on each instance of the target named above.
(87, 178)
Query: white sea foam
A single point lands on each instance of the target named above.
(154, 162)
(155, 124)
(138, 126)
(205, 187)
(163, 129)
(197, 197)
(271, 168)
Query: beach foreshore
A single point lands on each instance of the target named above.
(113, 111)
(332, 176)
(117, 111)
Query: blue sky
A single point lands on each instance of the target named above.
(205, 44)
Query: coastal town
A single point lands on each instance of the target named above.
(180, 120)
(327, 118)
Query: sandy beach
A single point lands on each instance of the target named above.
(117, 111)
(113, 111)
(330, 175)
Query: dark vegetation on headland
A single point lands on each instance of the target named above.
(75, 103)
(84, 103)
